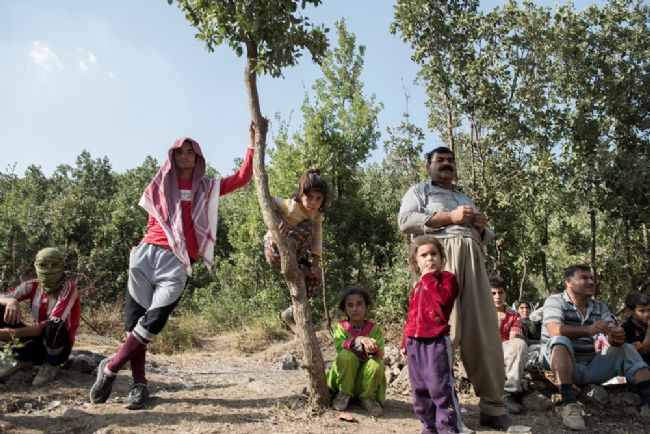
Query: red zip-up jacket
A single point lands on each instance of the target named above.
(430, 304)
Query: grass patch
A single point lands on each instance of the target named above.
(105, 320)
(252, 340)
(181, 333)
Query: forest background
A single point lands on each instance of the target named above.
(546, 109)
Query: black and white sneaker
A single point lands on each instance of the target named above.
(138, 396)
(101, 390)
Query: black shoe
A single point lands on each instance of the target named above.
(500, 423)
(101, 390)
(512, 404)
(138, 396)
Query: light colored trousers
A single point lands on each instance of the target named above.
(514, 355)
(472, 324)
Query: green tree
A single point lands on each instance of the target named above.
(272, 35)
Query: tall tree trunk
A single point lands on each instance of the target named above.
(628, 255)
(523, 279)
(319, 396)
(592, 224)
(544, 243)
(646, 248)
(450, 121)
(472, 147)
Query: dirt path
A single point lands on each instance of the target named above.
(217, 389)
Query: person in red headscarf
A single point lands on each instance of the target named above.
(182, 205)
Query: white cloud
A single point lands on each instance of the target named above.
(43, 56)
(111, 75)
(87, 58)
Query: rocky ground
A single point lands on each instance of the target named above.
(220, 389)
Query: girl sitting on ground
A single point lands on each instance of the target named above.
(358, 370)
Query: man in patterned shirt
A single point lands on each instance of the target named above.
(573, 321)
(514, 346)
(56, 311)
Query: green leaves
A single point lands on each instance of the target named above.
(273, 31)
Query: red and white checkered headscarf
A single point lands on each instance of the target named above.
(162, 200)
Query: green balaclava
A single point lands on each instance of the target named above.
(49, 269)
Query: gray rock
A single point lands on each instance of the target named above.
(287, 362)
(106, 430)
(82, 363)
(402, 378)
(391, 356)
(520, 429)
(537, 402)
(630, 411)
(52, 405)
(597, 393)
(625, 399)
(6, 426)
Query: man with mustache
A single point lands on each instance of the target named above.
(440, 208)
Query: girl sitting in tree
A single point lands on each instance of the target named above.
(302, 219)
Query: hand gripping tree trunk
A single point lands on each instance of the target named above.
(293, 276)
(272, 34)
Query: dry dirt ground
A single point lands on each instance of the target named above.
(219, 389)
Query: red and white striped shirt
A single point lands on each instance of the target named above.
(65, 304)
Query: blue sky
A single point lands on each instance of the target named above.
(124, 79)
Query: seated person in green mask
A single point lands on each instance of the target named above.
(56, 310)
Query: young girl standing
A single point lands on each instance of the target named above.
(302, 219)
(358, 370)
(426, 338)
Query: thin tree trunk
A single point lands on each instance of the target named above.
(544, 243)
(523, 279)
(450, 122)
(313, 358)
(646, 247)
(473, 137)
(328, 317)
(628, 254)
(592, 224)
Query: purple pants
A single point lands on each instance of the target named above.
(432, 384)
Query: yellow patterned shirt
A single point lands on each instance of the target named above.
(294, 214)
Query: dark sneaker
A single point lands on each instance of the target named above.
(512, 404)
(499, 423)
(101, 390)
(138, 396)
(341, 402)
(372, 407)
